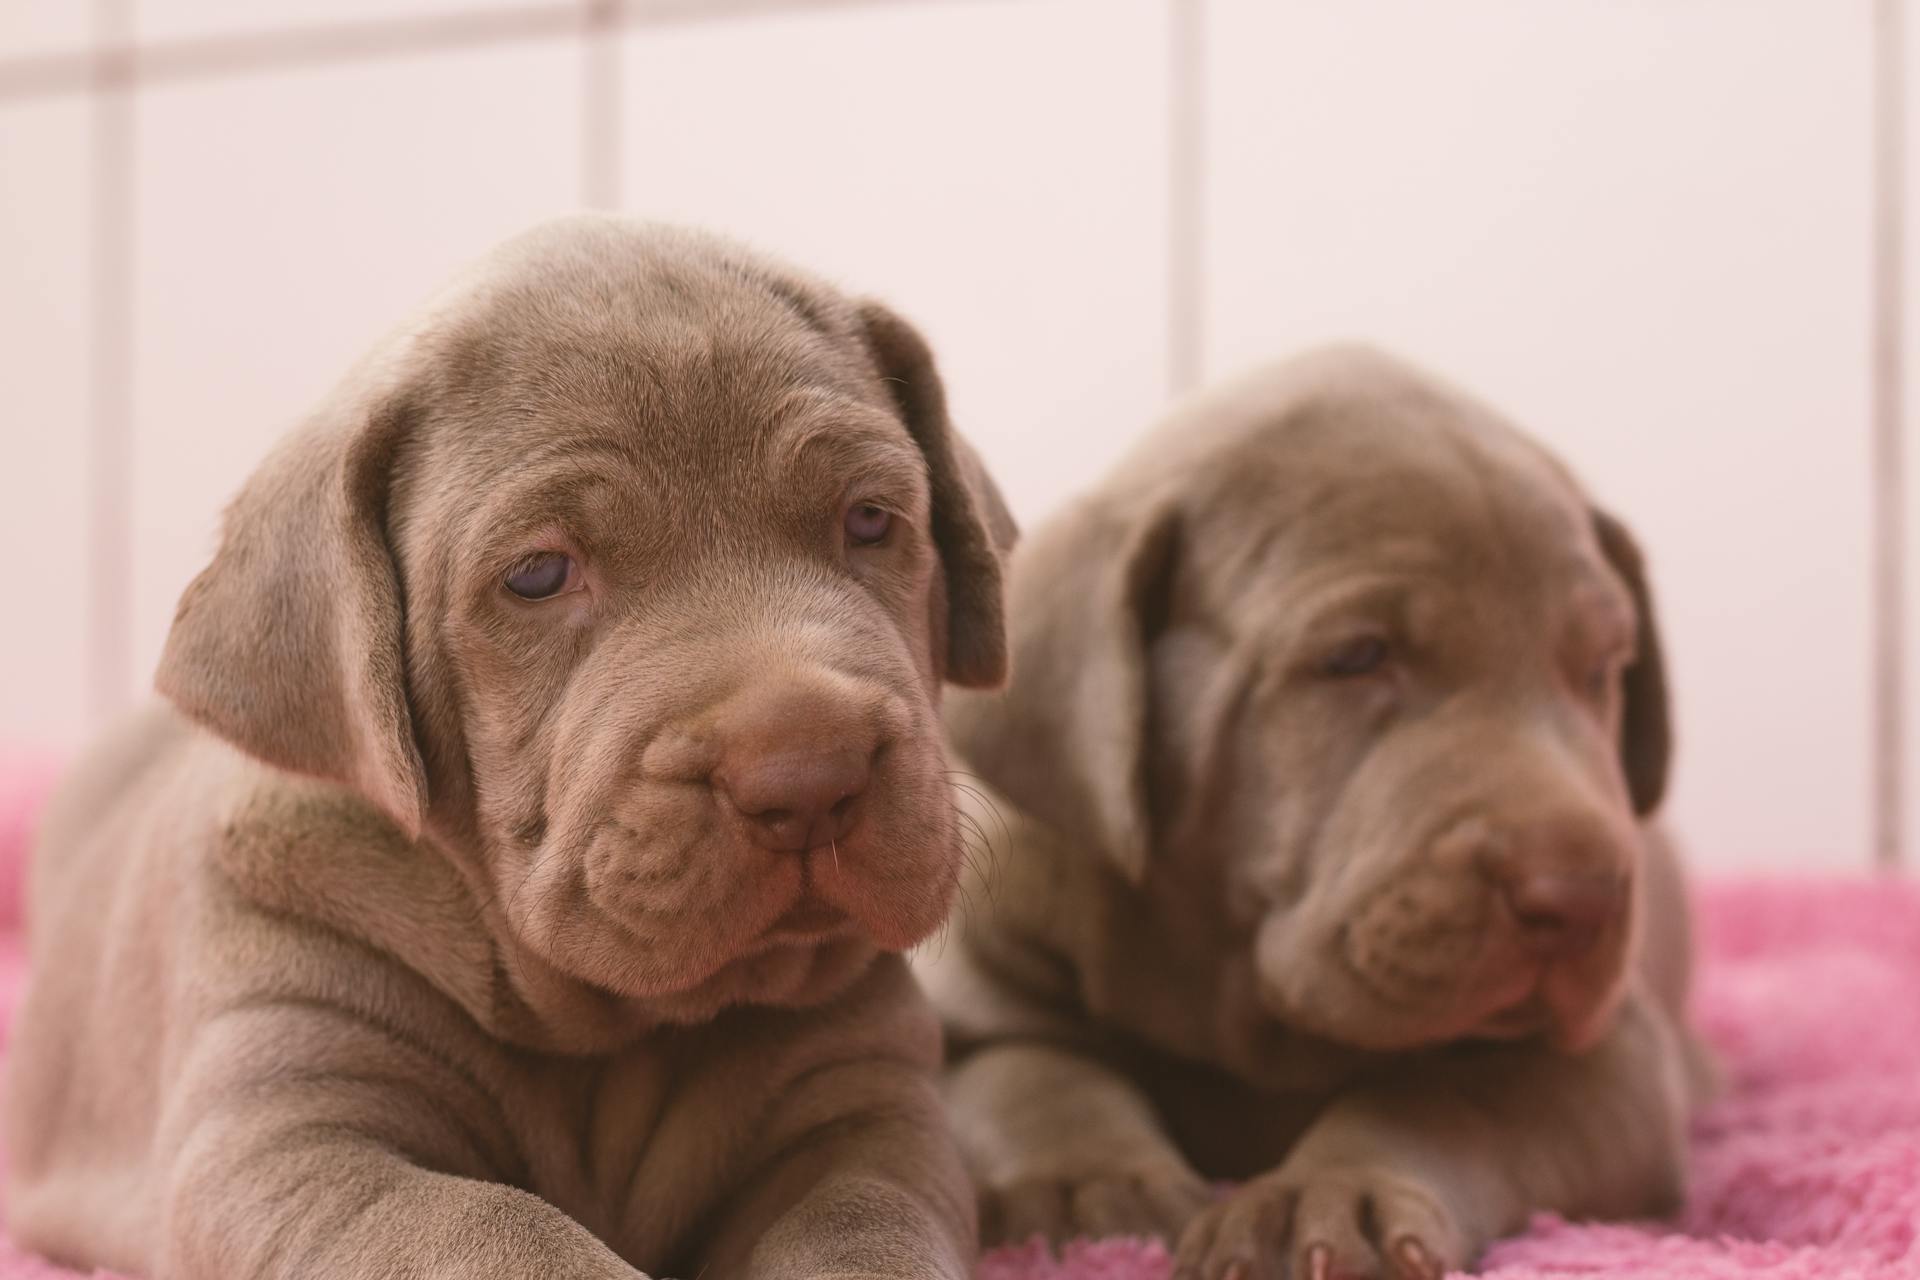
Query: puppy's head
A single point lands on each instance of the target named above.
(630, 575)
(1352, 682)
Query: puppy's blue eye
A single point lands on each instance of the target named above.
(867, 524)
(541, 576)
(1360, 656)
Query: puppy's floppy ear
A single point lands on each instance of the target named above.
(971, 524)
(1067, 741)
(1646, 736)
(288, 644)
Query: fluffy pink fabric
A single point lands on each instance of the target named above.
(1809, 1167)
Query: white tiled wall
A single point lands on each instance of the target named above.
(345, 194)
(44, 417)
(1910, 192)
(1642, 229)
(996, 171)
(1640, 226)
(155, 20)
(31, 28)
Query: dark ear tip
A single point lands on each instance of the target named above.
(1646, 745)
(987, 671)
(980, 655)
(1646, 793)
(971, 523)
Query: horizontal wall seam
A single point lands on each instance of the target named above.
(116, 64)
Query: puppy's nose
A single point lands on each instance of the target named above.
(1563, 913)
(795, 758)
(797, 800)
(1564, 875)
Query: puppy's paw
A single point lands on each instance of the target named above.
(1145, 1200)
(1337, 1224)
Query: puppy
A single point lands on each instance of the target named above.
(552, 772)
(1337, 717)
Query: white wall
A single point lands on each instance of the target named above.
(996, 170)
(1641, 226)
(44, 470)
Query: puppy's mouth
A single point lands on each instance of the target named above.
(805, 954)
(1509, 1000)
(1525, 1018)
(1570, 1015)
(742, 923)
(808, 921)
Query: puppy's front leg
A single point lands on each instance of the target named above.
(374, 1169)
(1414, 1178)
(299, 1204)
(858, 1180)
(1062, 1145)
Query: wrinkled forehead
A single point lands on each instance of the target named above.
(716, 392)
(695, 354)
(1378, 516)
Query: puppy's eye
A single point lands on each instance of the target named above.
(542, 576)
(1360, 656)
(866, 524)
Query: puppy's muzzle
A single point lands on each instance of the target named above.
(795, 761)
(1560, 877)
(1557, 882)
(1560, 915)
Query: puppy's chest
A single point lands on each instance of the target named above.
(630, 1147)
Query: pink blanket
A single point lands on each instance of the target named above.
(1810, 1167)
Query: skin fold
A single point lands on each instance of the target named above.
(513, 884)
(1321, 848)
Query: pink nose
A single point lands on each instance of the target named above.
(795, 800)
(1563, 913)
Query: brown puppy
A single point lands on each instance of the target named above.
(556, 760)
(1336, 716)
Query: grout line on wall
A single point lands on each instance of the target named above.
(199, 57)
(600, 107)
(209, 56)
(45, 75)
(110, 363)
(688, 12)
(1186, 192)
(1889, 414)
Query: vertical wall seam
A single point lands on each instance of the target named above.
(1186, 192)
(1888, 478)
(600, 106)
(110, 364)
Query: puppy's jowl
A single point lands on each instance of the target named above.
(552, 766)
(1336, 724)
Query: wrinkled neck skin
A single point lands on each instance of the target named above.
(1071, 951)
(528, 1002)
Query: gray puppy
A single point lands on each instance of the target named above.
(1337, 718)
(554, 763)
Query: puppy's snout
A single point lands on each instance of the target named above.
(1562, 877)
(794, 765)
(1563, 913)
(796, 800)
